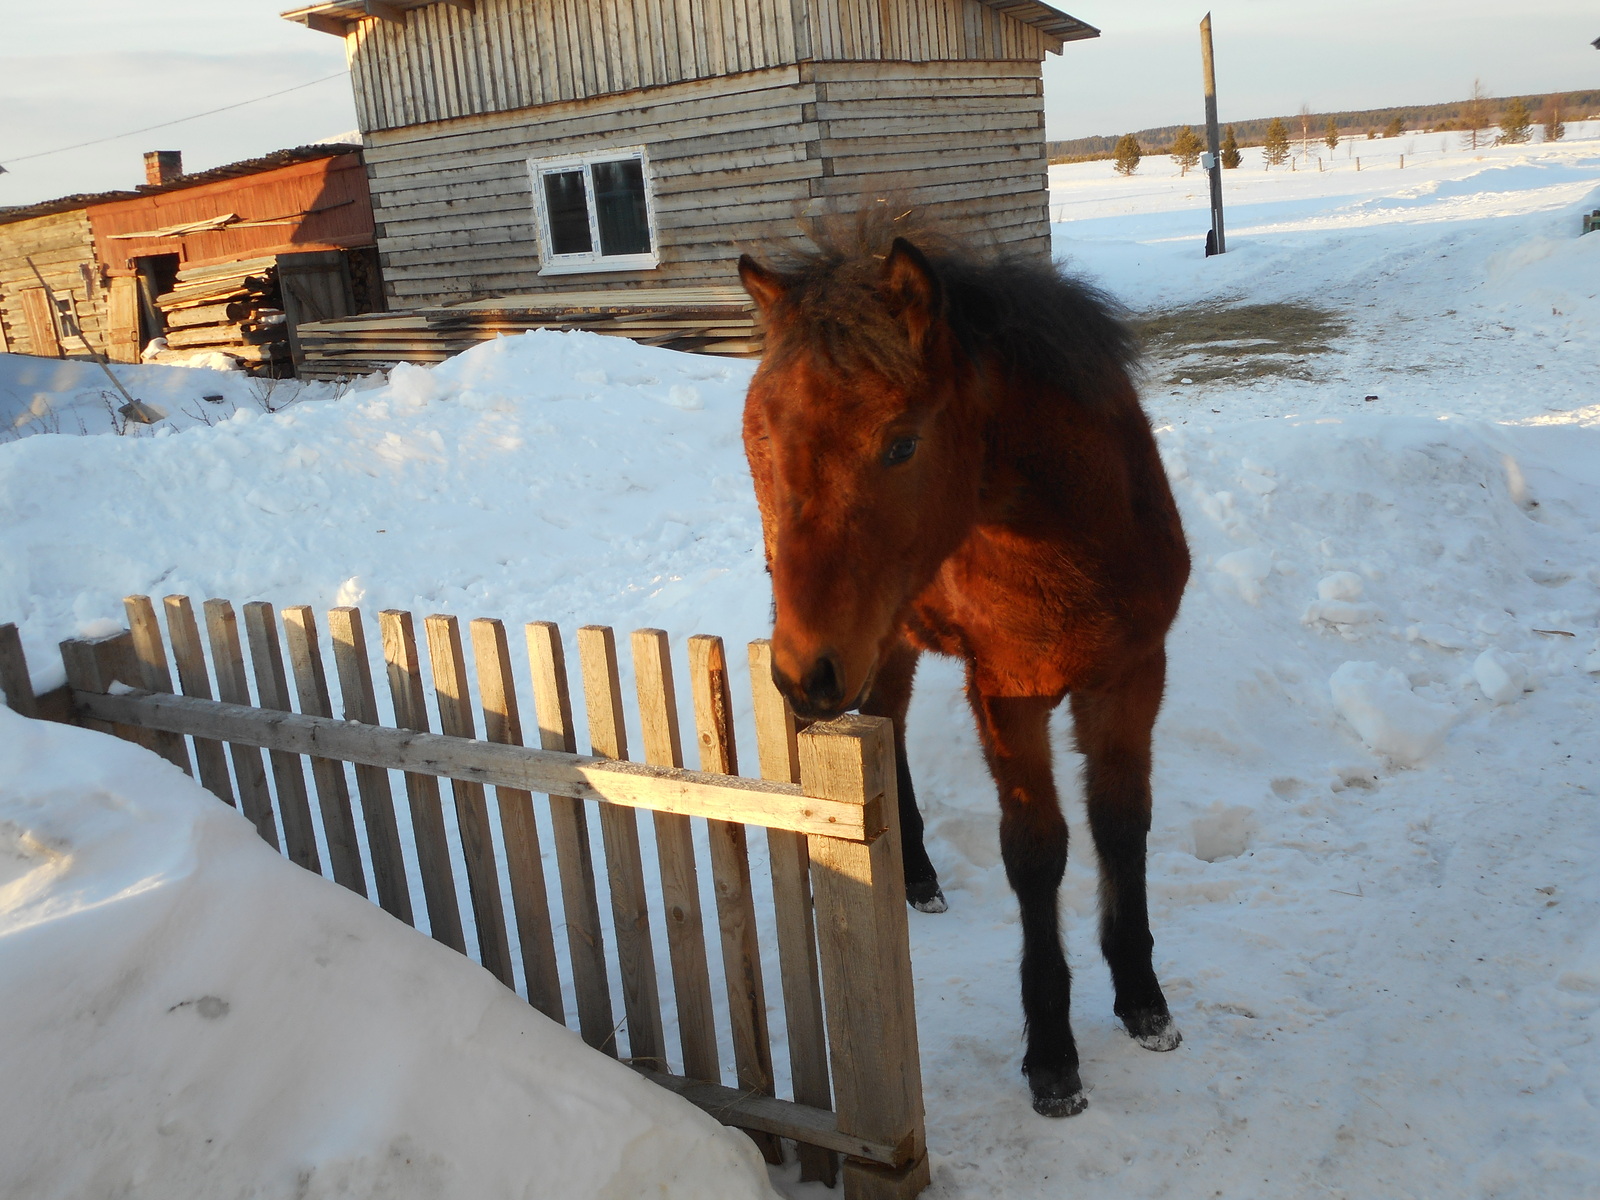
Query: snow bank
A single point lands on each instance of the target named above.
(1375, 929)
(188, 1014)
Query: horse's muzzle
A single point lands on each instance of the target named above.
(819, 695)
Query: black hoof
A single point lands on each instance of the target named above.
(924, 895)
(1056, 1093)
(1153, 1029)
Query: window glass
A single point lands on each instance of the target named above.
(569, 212)
(620, 208)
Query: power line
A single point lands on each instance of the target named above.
(164, 124)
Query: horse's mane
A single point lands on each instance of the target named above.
(1022, 315)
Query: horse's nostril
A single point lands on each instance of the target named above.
(824, 683)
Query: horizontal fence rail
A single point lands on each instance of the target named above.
(478, 877)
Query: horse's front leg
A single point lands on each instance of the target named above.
(890, 697)
(1113, 734)
(1033, 844)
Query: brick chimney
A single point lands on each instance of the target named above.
(162, 166)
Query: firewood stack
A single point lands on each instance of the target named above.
(231, 308)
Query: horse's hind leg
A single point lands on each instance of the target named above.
(1113, 733)
(1033, 843)
(890, 697)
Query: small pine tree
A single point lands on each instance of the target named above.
(1276, 147)
(1231, 158)
(1186, 148)
(1554, 127)
(1125, 158)
(1330, 134)
(1516, 126)
(1475, 116)
(1395, 128)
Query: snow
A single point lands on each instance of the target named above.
(203, 1018)
(1376, 780)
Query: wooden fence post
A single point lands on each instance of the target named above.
(861, 923)
(14, 680)
(93, 665)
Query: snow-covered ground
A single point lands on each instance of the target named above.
(1376, 777)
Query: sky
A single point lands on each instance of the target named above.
(96, 68)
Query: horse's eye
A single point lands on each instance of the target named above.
(899, 451)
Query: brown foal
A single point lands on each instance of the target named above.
(950, 456)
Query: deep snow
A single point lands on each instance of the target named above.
(1371, 879)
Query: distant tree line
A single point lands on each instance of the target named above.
(1479, 119)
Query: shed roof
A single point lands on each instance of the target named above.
(336, 16)
(250, 166)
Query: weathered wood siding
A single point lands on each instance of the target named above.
(442, 62)
(61, 246)
(965, 139)
(317, 205)
(733, 162)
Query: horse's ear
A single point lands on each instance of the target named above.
(765, 286)
(914, 289)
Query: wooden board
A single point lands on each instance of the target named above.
(730, 874)
(570, 830)
(472, 809)
(333, 790)
(680, 881)
(502, 722)
(777, 742)
(249, 772)
(152, 656)
(377, 798)
(422, 789)
(619, 829)
(288, 772)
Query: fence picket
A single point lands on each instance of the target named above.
(195, 680)
(472, 807)
(333, 790)
(152, 656)
(249, 770)
(569, 822)
(372, 783)
(524, 862)
(289, 773)
(730, 874)
(422, 791)
(778, 747)
(619, 829)
(680, 881)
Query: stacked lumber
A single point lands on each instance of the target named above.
(702, 320)
(229, 308)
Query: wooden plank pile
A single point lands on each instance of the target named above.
(230, 308)
(702, 320)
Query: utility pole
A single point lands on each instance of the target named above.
(1215, 244)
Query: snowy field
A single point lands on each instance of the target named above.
(1372, 883)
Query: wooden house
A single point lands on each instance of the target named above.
(57, 239)
(226, 260)
(527, 147)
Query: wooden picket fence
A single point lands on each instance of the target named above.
(826, 800)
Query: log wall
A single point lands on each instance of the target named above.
(61, 246)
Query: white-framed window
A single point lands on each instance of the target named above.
(593, 212)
